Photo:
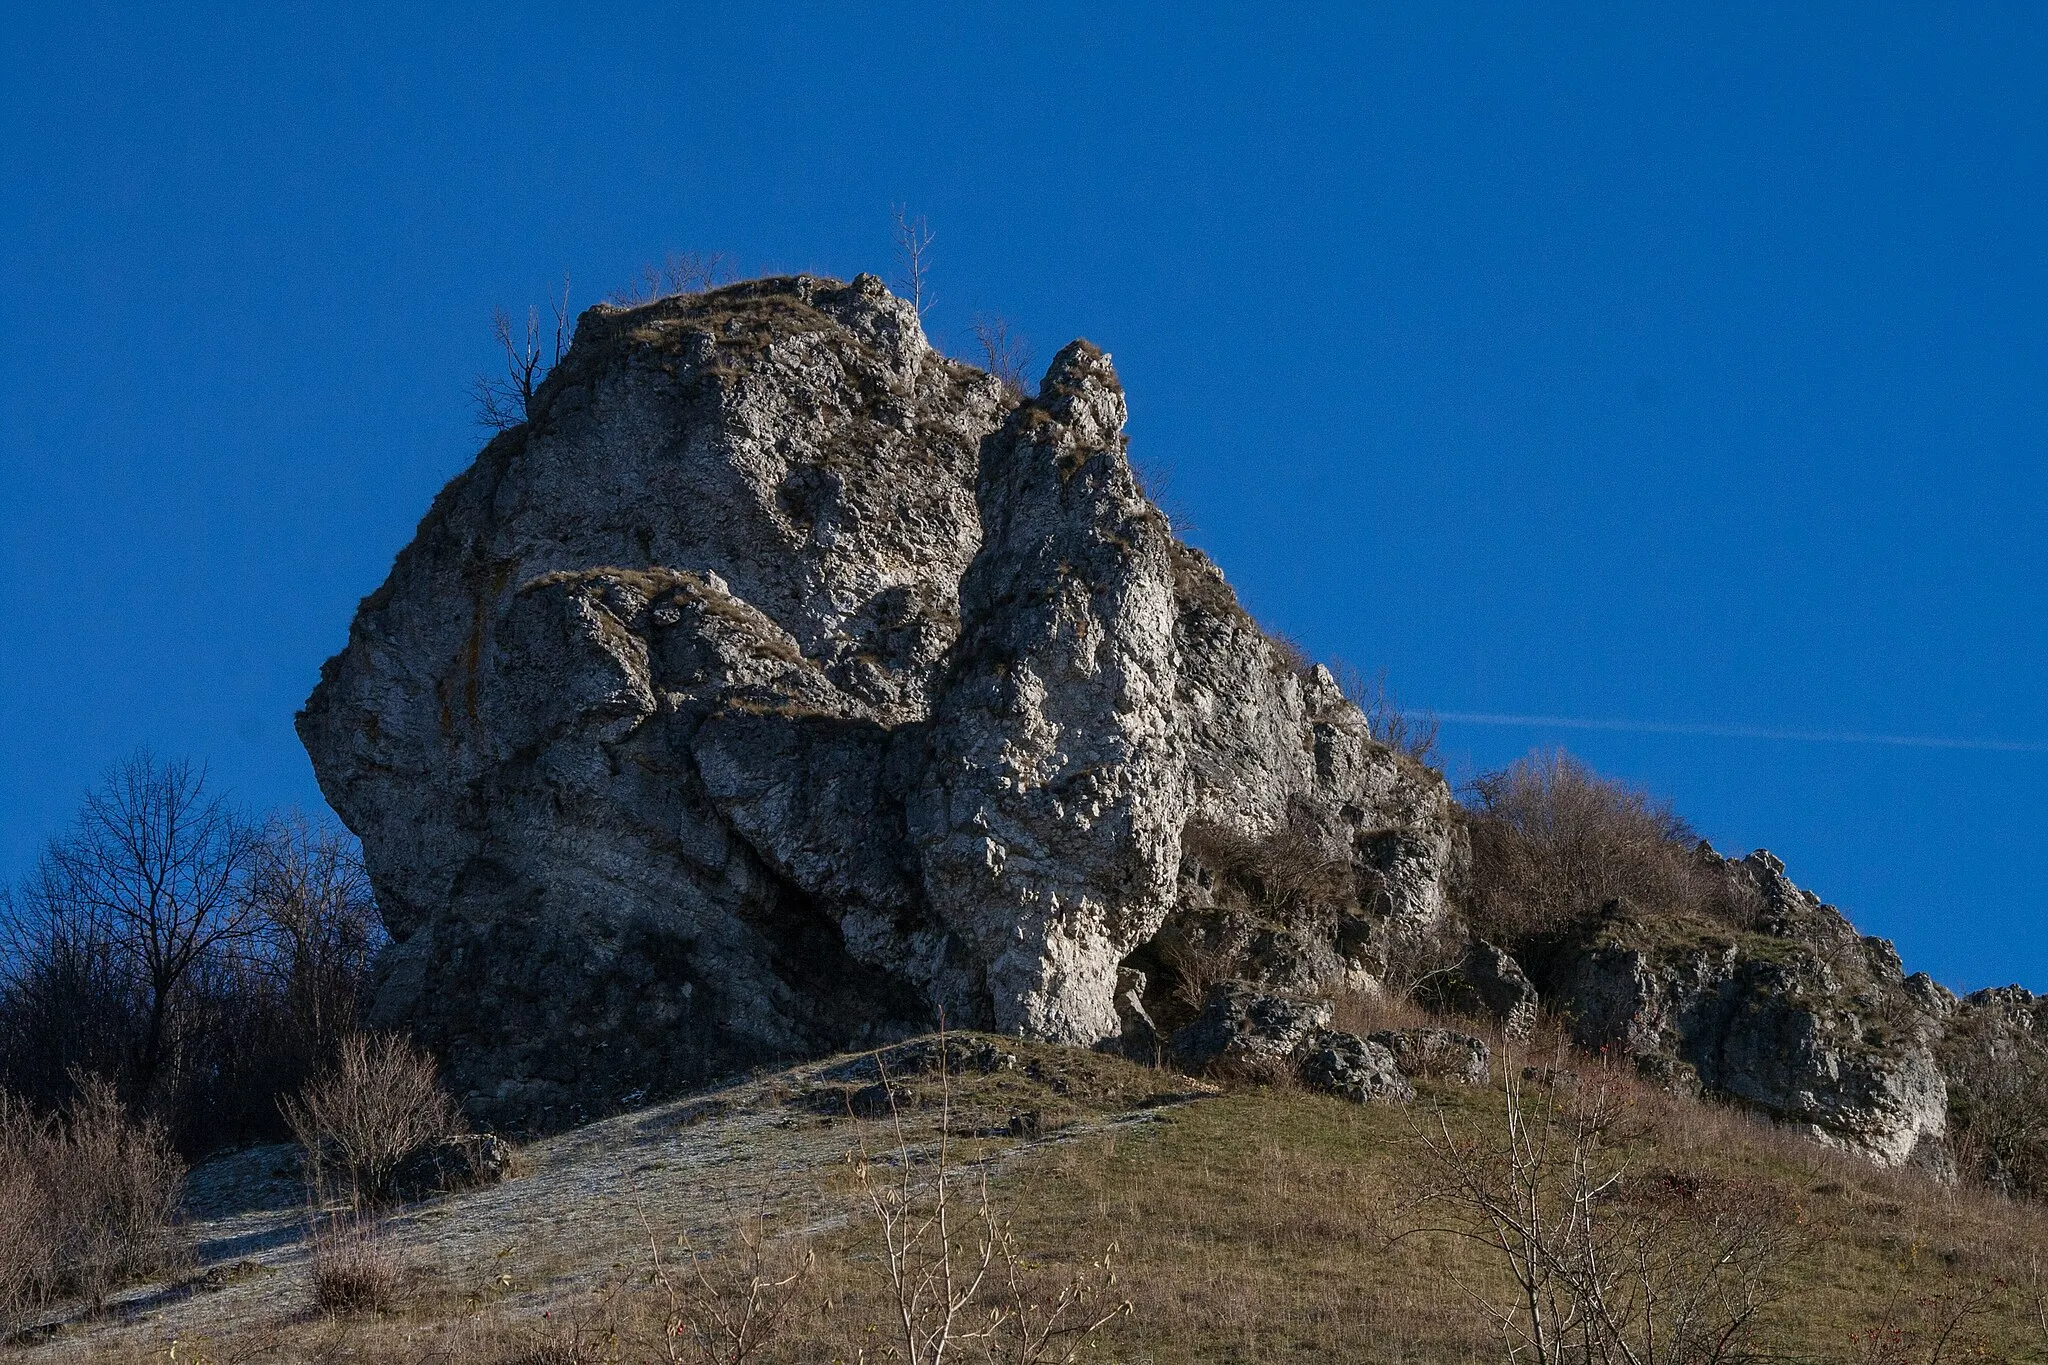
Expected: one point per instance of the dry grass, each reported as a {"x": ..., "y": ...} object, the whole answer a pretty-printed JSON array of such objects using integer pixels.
[{"x": 354, "y": 1268}]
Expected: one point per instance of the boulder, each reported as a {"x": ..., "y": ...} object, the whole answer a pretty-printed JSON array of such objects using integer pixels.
[
  {"x": 465, "y": 1162},
  {"x": 782, "y": 686},
  {"x": 1354, "y": 1068},
  {"x": 1246, "y": 1033},
  {"x": 1438, "y": 1054}
]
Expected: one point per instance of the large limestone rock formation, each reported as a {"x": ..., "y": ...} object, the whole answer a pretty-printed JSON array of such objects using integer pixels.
[{"x": 781, "y": 683}]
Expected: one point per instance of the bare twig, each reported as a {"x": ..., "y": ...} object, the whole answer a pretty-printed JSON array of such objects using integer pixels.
[
  {"x": 1607, "y": 1263},
  {"x": 914, "y": 239},
  {"x": 729, "y": 1318},
  {"x": 955, "y": 1276},
  {"x": 1005, "y": 353},
  {"x": 685, "y": 272}
]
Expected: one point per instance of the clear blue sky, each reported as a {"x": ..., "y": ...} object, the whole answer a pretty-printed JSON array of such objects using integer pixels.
[{"x": 1671, "y": 364}]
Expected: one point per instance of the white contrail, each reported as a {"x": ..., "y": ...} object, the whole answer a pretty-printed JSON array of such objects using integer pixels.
[{"x": 1652, "y": 727}]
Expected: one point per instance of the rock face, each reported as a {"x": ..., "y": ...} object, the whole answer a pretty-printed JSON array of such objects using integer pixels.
[
  {"x": 1488, "y": 983},
  {"x": 781, "y": 683},
  {"x": 1799, "y": 1017}
]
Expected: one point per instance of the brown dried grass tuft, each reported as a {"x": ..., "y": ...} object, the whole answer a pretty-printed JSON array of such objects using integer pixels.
[{"x": 355, "y": 1268}]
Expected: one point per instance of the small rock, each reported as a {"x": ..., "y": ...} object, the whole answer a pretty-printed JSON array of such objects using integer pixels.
[{"x": 879, "y": 1101}]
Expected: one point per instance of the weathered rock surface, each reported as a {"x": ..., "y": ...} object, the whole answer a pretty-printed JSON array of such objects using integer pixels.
[
  {"x": 781, "y": 684},
  {"x": 1799, "y": 1017},
  {"x": 1489, "y": 983}
]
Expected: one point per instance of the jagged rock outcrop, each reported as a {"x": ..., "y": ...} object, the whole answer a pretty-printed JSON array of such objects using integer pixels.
[
  {"x": 781, "y": 683},
  {"x": 1797, "y": 1015}
]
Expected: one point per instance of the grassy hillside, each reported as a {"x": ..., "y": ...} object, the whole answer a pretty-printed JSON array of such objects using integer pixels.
[{"x": 1252, "y": 1224}]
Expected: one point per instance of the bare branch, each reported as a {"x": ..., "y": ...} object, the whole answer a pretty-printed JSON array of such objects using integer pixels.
[
  {"x": 1005, "y": 353},
  {"x": 914, "y": 239}
]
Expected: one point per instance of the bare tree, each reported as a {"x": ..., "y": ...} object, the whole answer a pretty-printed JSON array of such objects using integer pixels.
[
  {"x": 1412, "y": 733},
  {"x": 914, "y": 238},
  {"x": 309, "y": 888},
  {"x": 150, "y": 878},
  {"x": 685, "y": 272},
  {"x": 1005, "y": 353},
  {"x": 502, "y": 401}
]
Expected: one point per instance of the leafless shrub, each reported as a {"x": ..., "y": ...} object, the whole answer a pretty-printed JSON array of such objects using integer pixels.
[
  {"x": 1286, "y": 874},
  {"x": 1553, "y": 842},
  {"x": 1195, "y": 965},
  {"x": 914, "y": 238},
  {"x": 88, "y": 1202},
  {"x": 954, "y": 1276},
  {"x": 1288, "y": 655},
  {"x": 115, "y": 1185},
  {"x": 28, "y": 1263},
  {"x": 1998, "y": 1102},
  {"x": 380, "y": 1102},
  {"x": 1928, "y": 1328},
  {"x": 685, "y": 272},
  {"x": 1156, "y": 481},
  {"x": 1606, "y": 1262},
  {"x": 724, "y": 1310},
  {"x": 502, "y": 400},
  {"x": 1408, "y": 732},
  {"x": 355, "y": 1267},
  {"x": 1005, "y": 354}
]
